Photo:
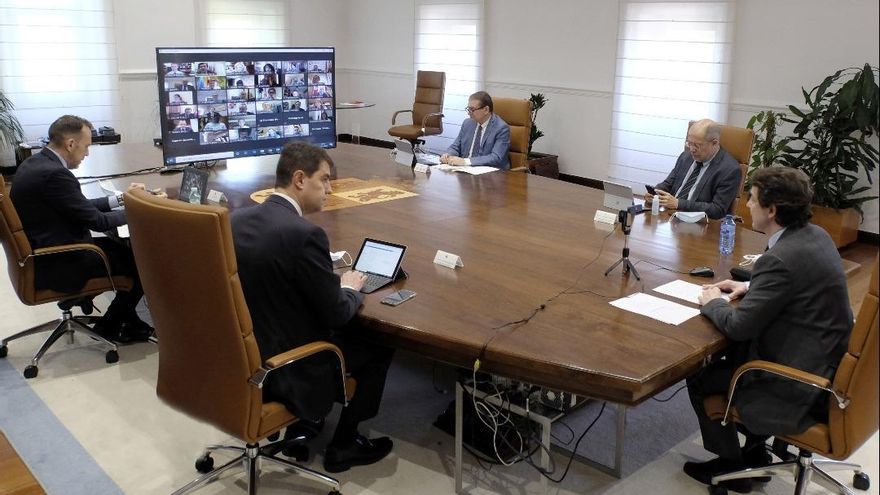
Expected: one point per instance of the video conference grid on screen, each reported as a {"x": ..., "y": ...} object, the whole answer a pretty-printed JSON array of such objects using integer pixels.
[{"x": 237, "y": 102}]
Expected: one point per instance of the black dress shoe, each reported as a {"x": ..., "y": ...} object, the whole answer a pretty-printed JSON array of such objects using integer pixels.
[
  {"x": 297, "y": 437},
  {"x": 109, "y": 329},
  {"x": 704, "y": 471},
  {"x": 134, "y": 330},
  {"x": 361, "y": 451}
]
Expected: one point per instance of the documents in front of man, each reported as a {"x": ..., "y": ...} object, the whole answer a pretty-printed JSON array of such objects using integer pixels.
[{"x": 656, "y": 308}]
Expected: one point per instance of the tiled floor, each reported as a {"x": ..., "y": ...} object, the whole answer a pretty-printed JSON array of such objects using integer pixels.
[{"x": 148, "y": 448}]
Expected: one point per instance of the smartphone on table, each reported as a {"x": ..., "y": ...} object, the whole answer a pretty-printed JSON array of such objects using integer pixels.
[{"x": 398, "y": 297}]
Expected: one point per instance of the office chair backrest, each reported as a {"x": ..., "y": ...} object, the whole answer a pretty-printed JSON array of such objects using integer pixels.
[
  {"x": 518, "y": 115},
  {"x": 207, "y": 350},
  {"x": 16, "y": 245},
  {"x": 858, "y": 379},
  {"x": 430, "y": 87}
]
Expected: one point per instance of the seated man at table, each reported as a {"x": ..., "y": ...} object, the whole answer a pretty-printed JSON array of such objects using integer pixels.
[
  {"x": 705, "y": 177},
  {"x": 484, "y": 138},
  {"x": 795, "y": 311},
  {"x": 295, "y": 299},
  {"x": 54, "y": 211}
]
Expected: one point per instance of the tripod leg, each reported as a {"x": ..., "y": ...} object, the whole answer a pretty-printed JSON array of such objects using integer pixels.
[
  {"x": 632, "y": 267},
  {"x": 614, "y": 266}
]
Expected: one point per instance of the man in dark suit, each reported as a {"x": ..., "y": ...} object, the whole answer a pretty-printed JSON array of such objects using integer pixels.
[
  {"x": 705, "y": 177},
  {"x": 295, "y": 298},
  {"x": 795, "y": 311},
  {"x": 484, "y": 138},
  {"x": 54, "y": 211}
]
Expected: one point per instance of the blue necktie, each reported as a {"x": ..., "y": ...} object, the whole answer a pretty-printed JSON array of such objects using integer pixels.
[
  {"x": 475, "y": 149},
  {"x": 691, "y": 180}
]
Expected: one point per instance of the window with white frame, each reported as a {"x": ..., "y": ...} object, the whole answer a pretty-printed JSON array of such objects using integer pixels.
[
  {"x": 58, "y": 57},
  {"x": 673, "y": 66},
  {"x": 449, "y": 39},
  {"x": 256, "y": 23}
]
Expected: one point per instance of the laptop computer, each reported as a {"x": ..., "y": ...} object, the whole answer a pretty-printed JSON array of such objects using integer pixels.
[
  {"x": 405, "y": 153},
  {"x": 617, "y": 196},
  {"x": 380, "y": 262}
]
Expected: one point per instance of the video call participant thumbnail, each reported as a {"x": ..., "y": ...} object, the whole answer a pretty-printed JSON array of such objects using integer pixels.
[{"x": 239, "y": 68}]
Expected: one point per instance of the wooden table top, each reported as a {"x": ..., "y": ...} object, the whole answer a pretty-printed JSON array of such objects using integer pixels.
[{"x": 524, "y": 240}]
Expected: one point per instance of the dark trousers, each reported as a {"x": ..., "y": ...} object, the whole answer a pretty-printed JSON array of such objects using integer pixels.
[
  {"x": 69, "y": 272},
  {"x": 368, "y": 363},
  {"x": 717, "y": 438}
]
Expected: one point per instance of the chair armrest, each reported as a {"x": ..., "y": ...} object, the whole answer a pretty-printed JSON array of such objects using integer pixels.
[
  {"x": 294, "y": 355},
  {"x": 428, "y": 116},
  {"x": 783, "y": 371},
  {"x": 394, "y": 117},
  {"x": 69, "y": 248},
  {"x": 520, "y": 169}
]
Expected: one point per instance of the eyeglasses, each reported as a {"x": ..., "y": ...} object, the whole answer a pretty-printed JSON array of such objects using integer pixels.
[
  {"x": 472, "y": 109},
  {"x": 696, "y": 146}
]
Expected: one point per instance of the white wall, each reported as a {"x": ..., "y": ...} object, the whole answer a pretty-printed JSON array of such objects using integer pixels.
[{"x": 565, "y": 49}]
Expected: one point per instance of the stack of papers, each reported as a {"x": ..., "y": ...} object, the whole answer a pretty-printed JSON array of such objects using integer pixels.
[
  {"x": 684, "y": 290},
  {"x": 468, "y": 170},
  {"x": 656, "y": 308}
]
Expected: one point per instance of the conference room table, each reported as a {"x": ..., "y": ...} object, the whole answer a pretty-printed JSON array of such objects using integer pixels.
[{"x": 531, "y": 300}]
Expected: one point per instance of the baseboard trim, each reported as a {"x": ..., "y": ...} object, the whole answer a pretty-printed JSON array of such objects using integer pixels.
[{"x": 378, "y": 143}]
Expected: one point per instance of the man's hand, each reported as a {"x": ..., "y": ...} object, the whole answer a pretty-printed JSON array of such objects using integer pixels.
[
  {"x": 353, "y": 279},
  {"x": 455, "y": 160},
  {"x": 137, "y": 185},
  {"x": 667, "y": 200},
  {"x": 444, "y": 158},
  {"x": 733, "y": 288},
  {"x": 649, "y": 198},
  {"x": 709, "y": 293}
]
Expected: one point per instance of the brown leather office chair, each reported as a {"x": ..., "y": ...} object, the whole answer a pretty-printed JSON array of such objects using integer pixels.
[
  {"x": 427, "y": 110},
  {"x": 518, "y": 115},
  {"x": 20, "y": 259},
  {"x": 852, "y": 409},
  {"x": 209, "y": 361}
]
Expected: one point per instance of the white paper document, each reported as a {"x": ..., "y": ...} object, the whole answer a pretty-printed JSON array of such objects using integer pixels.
[
  {"x": 656, "y": 308},
  {"x": 468, "y": 170},
  {"x": 684, "y": 290}
]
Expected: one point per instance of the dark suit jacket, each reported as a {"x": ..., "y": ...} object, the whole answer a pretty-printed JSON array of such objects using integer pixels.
[
  {"x": 53, "y": 211},
  {"x": 796, "y": 313},
  {"x": 715, "y": 192},
  {"x": 294, "y": 298},
  {"x": 495, "y": 146}
]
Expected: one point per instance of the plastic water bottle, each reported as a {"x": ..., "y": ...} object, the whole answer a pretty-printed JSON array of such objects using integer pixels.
[
  {"x": 728, "y": 233},
  {"x": 655, "y": 205},
  {"x": 194, "y": 197}
]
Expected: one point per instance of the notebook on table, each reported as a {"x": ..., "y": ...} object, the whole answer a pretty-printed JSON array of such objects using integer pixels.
[{"x": 380, "y": 262}]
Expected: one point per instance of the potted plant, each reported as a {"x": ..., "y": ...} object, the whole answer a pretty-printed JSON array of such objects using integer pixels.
[
  {"x": 830, "y": 144},
  {"x": 540, "y": 163},
  {"x": 11, "y": 133},
  {"x": 766, "y": 149}
]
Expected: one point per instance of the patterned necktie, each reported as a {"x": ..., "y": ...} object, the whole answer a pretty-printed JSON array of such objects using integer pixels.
[
  {"x": 691, "y": 180},
  {"x": 475, "y": 149}
]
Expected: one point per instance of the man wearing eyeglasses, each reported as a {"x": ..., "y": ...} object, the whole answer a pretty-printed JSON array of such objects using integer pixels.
[
  {"x": 705, "y": 178},
  {"x": 484, "y": 138}
]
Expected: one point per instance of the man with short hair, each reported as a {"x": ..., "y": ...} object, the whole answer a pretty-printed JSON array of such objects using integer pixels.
[
  {"x": 484, "y": 138},
  {"x": 294, "y": 299},
  {"x": 54, "y": 211},
  {"x": 794, "y": 311},
  {"x": 705, "y": 177}
]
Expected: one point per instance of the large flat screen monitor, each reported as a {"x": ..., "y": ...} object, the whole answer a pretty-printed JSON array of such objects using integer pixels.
[{"x": 219, "y": 103}]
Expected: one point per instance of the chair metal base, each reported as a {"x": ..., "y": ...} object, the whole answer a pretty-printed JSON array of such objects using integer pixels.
[
  {"x": 804, "y": 469},
  {"x": 67, "y": 324},
  {"x": 248, "y": 460}
]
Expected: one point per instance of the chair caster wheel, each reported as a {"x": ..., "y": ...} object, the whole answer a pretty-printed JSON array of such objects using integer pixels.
[
  {"x": 31, "y": 371},
  {"x": 335, "y": 492},
  {"x": 111, "y": 357},
  {"x": 717, "y": 490},
  {"x": 861, "y": 481},
  {"x": 205, "y": 464},
  {"x": 3, "y": 351}
]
